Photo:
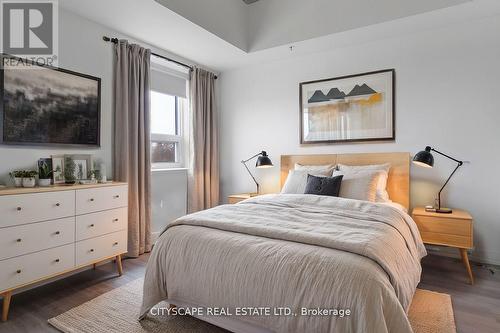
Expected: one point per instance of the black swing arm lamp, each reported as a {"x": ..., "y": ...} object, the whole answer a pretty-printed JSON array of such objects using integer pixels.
[
  {"x": 425, "y": 159},
  {"x": 263, "y": 161}
]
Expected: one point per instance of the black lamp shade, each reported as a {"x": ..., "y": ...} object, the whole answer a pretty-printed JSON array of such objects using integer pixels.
[
  {"x": 424, "y": 158},
  {"x": 263, "y": 161}
]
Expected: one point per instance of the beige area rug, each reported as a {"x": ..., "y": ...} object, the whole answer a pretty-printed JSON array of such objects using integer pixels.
[{"x": 116, "y": 311}]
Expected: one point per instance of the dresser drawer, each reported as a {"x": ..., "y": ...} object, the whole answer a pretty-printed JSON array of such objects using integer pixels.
[
  {"x": 101, "y": 247},
  {"x": 32, "y": 267},
  {"x": 23, "y": 239},
  {"x": 36, "y": 207},
  {"x": 101, "y": 223},
  {"x": 98, "y": 199}
]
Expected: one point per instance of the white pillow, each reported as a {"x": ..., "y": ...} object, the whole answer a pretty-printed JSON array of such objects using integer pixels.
[
  {"x": 361, "y": 185},
  {"x": 382, "y": 194},
  {"x": 297, "y": 180},
  {"x": 327, "y": 169}
]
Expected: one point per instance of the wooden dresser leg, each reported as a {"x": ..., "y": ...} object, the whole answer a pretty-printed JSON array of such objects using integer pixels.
[
  {"x": 94, "y": 266},
  {"x": 465, "y": 259},
  {"x": 6, "y": 303},
  {"x": 119, "y": 264}
]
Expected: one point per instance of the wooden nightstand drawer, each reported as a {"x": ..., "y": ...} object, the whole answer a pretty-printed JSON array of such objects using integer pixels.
[
  {"x": 446, "y": 239},
  {"x": 235, "y": 198},
  {"x": 444, "y": 225}
]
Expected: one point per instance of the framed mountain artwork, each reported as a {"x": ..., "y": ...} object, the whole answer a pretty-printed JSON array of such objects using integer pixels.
[{"x": 352, "y": 108}]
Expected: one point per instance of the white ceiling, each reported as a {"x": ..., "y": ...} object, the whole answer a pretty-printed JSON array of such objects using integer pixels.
[
  {"x": 166, "y": 29},
  {"x": 271, "y": 23}
]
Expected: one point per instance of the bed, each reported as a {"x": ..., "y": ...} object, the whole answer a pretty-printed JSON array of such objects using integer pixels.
[{"x": 295, "y": 263}]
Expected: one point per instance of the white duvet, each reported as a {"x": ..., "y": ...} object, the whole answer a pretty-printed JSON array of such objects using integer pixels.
[{"x": 293, "y": 251}]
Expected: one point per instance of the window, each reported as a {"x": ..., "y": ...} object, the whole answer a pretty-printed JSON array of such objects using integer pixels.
[{"x": 167, "y": 146}]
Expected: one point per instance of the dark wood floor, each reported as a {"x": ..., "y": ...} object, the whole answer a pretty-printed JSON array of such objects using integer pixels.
[{"x": 477, "y": 308}]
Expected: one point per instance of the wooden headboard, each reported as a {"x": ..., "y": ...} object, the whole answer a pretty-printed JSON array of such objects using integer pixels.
[{"x": 398, "y": 183}]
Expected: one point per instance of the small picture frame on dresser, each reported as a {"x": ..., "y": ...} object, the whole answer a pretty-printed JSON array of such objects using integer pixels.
[
  {"x": 58, "y": 169},
  {"x": 83, "y": 166}
]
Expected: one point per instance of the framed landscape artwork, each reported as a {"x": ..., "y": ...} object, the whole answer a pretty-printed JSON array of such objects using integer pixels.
[
  {"x": 46, "y": 106},
  {"x": 352, "y": 108}
]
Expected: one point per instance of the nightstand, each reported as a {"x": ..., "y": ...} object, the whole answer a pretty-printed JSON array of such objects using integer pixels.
[
  {"x": 453, "y": 230},
  {"x": 235, "y": 198}
]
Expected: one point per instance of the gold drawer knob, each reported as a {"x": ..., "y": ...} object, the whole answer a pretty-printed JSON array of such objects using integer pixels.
[
  {"x": 18, "y": 271},
  {"x": 115, "y": 243},
  {"x": 115, "y": 220},
  {"x": 116, "y": 196}
]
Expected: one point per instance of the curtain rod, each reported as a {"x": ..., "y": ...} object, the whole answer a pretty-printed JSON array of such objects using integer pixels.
[{"x": 115, "y": 41}]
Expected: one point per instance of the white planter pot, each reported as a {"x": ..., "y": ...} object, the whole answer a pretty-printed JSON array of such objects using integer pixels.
[
  {"x": 18, "y": 182},
  {"x": 29, "y": 182},
  {"x": 44, "y": 182}
]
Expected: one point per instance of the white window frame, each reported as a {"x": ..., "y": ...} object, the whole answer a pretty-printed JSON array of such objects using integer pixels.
[{"x": 178, "y": 139}]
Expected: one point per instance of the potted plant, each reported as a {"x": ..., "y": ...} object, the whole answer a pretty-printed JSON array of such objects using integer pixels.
[
  {"x": 69, "y": 171},
  {"x": 44, "y": 174},
  {"x": 17, "y": 175},
  {"x": 29, "y": 178},
  {"x": 92, "y": 175}
]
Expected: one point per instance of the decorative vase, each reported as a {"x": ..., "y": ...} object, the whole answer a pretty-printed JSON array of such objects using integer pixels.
[
  {"x": 102, "y": 173},
  {"x": 44, "y": 182},
  {"x": 18, "y": 181},
  {"x": 29, "y": 182}
]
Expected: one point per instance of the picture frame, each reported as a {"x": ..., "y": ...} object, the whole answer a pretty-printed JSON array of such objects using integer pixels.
[
  {"x": 29, "y": 94},
  {"x": 345, "y": 109},
  {"x": 40, "y": 164},
  {"x": 58, "y": 169},
  {"x": 83, "y": 165}
]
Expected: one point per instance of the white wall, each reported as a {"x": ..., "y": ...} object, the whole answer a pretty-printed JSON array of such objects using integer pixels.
[
  {"x": 169, "y": 194},
  {"x": 447, "y": 91},
  {"x": 81, "y": 49}
]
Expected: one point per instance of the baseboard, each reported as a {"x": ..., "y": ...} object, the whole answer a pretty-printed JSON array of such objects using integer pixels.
[{"x": 480, "y": 257}]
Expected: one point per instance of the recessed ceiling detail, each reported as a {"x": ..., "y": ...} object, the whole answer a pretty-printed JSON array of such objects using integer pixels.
[
  {"x": 222, "y": 35},
  {"x": 271, "y": 23}
]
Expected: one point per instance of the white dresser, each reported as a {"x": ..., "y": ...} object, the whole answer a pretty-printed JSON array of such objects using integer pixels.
[{"x": 46, "y": 232}]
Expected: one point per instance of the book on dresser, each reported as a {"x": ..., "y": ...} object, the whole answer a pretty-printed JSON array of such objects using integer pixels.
[{"x": 47, "y": 232}]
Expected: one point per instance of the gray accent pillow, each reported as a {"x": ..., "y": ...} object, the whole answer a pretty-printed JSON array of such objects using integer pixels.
[{"x": 329, "y": 186}]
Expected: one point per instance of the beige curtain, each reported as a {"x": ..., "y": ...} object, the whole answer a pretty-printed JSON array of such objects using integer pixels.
[
  {"x": 131, "y": 161},
  {"x": 204, "y": 150}
]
